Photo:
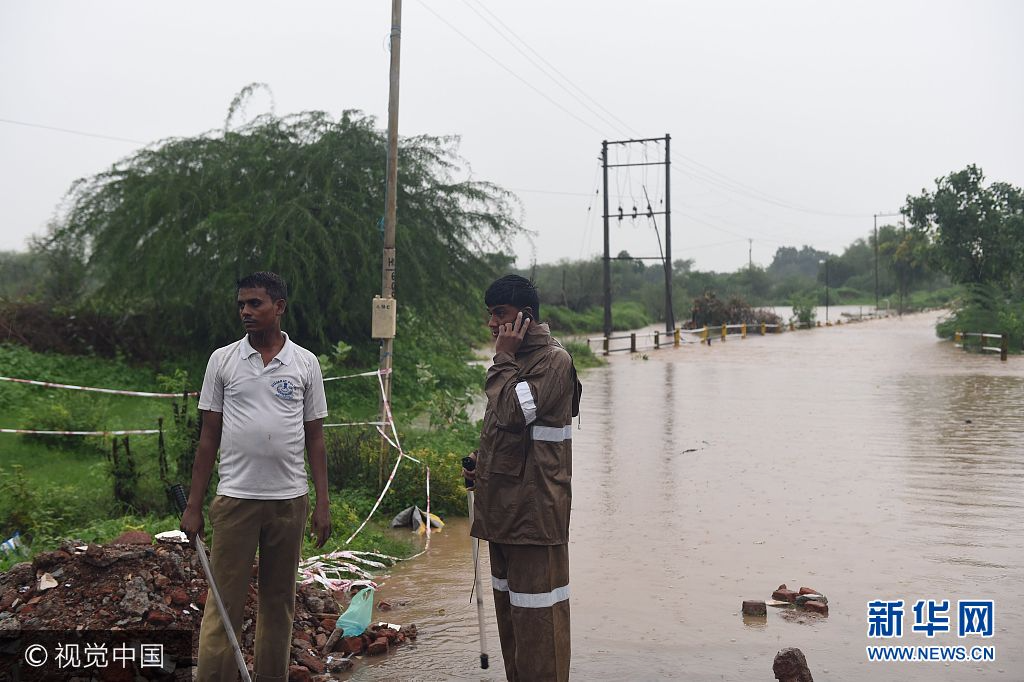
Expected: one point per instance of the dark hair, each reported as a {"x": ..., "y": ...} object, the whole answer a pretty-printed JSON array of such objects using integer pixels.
[
  {"x": 514, "y": 290},
  {"x": 275, "y": 286}
]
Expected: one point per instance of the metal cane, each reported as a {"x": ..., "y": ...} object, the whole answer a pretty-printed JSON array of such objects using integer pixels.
[
  {"x": 469, "y": 464},
  {"x": 180, "y": 501}
]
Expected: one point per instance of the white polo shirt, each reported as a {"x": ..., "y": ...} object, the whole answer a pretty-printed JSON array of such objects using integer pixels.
[{"x": 263, "y": 442}]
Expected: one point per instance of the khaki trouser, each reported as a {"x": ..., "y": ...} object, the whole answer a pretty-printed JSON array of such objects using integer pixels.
[
  {"x": 531, "y": 602},
  {"x": 239, "y": 527}
]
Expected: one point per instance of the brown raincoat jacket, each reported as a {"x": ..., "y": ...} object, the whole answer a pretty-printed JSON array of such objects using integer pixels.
[{"x": 524, "y": 464}]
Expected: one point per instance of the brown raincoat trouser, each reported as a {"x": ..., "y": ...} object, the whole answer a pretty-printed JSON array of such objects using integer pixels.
[{"x": 531, "y": 602}]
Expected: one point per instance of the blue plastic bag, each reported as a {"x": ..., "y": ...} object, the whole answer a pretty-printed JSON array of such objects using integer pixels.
[{"x": 357, "y": 616}]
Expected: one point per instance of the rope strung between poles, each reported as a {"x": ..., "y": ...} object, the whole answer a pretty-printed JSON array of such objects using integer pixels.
[
  {"x": 113, "y": 391},
  {"x": 150, "y": 394},
  {"x": 127, "y": 432},
  {"x": 395, "y": 443},
  {"x": 392, "y": 439},
  {"x": 375, "y": 372}
]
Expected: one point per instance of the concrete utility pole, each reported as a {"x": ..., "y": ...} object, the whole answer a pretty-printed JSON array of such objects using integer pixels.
[
  {"x": 670, "y": 317},
  {"x": 385, "y": 314},
  {"x": 666, "y": 257},
  {"x": 877, "y": 216},
  {"x": 607, "y": 248}
]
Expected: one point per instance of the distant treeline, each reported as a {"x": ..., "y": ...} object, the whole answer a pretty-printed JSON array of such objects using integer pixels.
[
  {"x": 960, "y": 247},
  {"x": 794, "y": 276}
]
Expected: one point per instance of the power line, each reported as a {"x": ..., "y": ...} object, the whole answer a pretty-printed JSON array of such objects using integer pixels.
[
  {"x": 531, "y": 59},
  {"x": 510, "y": 71},
  {"x": 69, "y": 131},
  {"x": 548, "y": 191},
  {"x": 552, "y": 66},
  {"x": 714, "y": 177}
]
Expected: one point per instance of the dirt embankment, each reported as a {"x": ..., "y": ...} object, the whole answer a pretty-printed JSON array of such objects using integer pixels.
[{"x": 161, "y": 587}]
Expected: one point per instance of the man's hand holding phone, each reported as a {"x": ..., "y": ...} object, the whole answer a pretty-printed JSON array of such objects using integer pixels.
[{"x": 511, "y": 334}]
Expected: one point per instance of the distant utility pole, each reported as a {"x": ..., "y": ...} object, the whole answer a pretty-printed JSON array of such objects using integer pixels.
[
  {"x": 877, "y": 216},
  {"x": 666, "y": 257},
  {"x": 750, "y": 255}
]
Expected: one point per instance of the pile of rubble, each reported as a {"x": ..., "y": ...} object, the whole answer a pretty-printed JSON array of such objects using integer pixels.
[
  {"x": 807, "y": 599},
  {"x": 132, "y": 584}
]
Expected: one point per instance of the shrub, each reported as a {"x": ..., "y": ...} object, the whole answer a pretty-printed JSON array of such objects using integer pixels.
[
  {"x": 710, "y": 310},
  {"x": 803, "y": 311},
  {"x": 68, "y": 412},
  {"x": 582, "y": 355}
]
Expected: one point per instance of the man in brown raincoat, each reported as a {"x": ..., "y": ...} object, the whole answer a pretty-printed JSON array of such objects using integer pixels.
[{"x": 522, "y": 482}]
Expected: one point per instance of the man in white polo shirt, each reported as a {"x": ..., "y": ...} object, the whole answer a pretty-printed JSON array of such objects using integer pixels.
[{"x": 263, "y": 407}]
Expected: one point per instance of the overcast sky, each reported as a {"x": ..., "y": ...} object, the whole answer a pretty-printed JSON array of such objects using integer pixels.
[{"x": 791, "y": 122}]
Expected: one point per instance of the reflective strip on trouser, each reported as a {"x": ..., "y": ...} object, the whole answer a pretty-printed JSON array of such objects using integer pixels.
[
  {"x": 526, "y": 402},
  {"x": 526, "y": 600},
  {"x": 551, "y": 434},
  {"x": 531, "y": 590}
]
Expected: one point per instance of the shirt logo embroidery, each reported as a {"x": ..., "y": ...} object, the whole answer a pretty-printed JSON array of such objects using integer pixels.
[{"x": 284, "y": 389}]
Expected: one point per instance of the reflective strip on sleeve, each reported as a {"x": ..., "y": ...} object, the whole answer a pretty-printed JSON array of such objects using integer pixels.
[
  {"x": 526, "y": 402},
  {"x": 552, "y": 434},
  {"x": 528, "y": 600}
]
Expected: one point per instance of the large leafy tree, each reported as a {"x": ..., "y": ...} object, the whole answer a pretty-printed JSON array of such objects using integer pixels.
[
  {"x": 168, "y": 230},
  {"x": 976, "y": 231}
]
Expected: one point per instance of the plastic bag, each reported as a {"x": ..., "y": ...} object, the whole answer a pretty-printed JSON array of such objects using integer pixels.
[{"x": 357, "y": 616}]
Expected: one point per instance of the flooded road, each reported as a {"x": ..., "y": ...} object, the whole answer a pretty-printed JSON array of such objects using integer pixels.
[{"x": 870, "y": 461}]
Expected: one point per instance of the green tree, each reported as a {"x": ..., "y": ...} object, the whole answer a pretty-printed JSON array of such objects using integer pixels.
[
  {"x": 790, "y": 261},
  {"x": 169, "y": 229},
  {"x": 976, "y": 231}
]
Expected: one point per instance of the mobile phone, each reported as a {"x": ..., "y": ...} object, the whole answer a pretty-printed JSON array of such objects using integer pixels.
[{"x": 527, "y": 314}]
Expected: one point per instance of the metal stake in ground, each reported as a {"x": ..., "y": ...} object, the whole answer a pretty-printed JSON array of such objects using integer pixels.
[
  {"x": 180, "y": 501},
  {"x": 469, "y": 464}
]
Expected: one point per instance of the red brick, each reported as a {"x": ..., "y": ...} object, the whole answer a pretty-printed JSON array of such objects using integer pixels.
[
  {"x": 816, "y": 607},
  {"x": 296, "y": 673},
  {"x": 808, "y": 590},
  {"x": 159, "y": 618},
  {"x": 329, "y": 623},
  {"x": 754, "y": 608},
  {"x": 351, "y": 645},
  {"x": 179, "y": 597},
  {"x": 784, "y": 595},
  {"x": 133, "y": 537},
  {"x": 379, "y": 646},
  {"x": 308, "y": 660}
]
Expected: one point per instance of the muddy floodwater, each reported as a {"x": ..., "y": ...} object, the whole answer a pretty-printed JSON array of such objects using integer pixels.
[{"x": 870, "y": 461}]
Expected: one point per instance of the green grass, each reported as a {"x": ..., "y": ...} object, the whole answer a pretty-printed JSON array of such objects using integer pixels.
[
  {"x": 53, "y": 488},
  {"x": 626, "y": 315}
]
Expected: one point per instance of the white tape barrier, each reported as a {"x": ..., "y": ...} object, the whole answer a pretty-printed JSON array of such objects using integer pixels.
[
  {"x": 329, "y": 569},
  {"x": 150, "y": 394},
  {"x": 112, "y": 391},
  {"x": 376, "y": 372},
  {"x": 146, "y": 394},
  {"x": 126, "y": 432},
  {"x": 395, "y": 443},
  {"x": 393, "y": 439},
  {"x": 328, "y": 426}
]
